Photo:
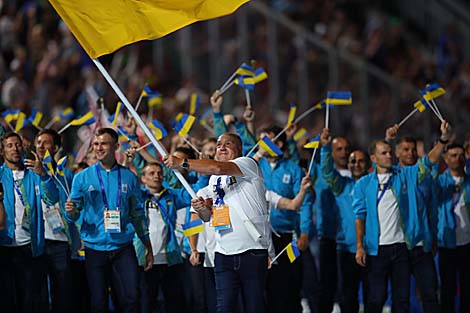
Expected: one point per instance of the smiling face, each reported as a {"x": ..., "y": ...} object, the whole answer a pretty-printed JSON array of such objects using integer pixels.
[
  {"x": 12, "y": 151},
  {"x": 358, "y": 164},
  {"x": 228, "y": 148},
  {"x": 105, "y": 148},
  {"x": 45, "y": 142}
]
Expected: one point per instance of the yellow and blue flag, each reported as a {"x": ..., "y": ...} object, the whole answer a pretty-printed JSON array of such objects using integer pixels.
[
  {"x": 245, "y": 70},
  {"x": 47, "y": 163},
  {"x": 203, "y": 118},
  {"x": 21, "y": 122},
  {"x": 86, "y": 119},
  {"x": 292, "y": 251},
  {"x": 193, "y": 228},
  {"x": 102, "y": 27},
  {"x": 154, "y": 98},
  {"x": 10, "y": 115},
  {"x": 432, "y": 91},
  {"x": 245, "y": 82},
  {"x": 61, "y": 166},
  {"x": 66, "y": 114},
  {"x": 320, "y": 105},
  {"x": 313, "y": 143},
  {"x": 35, "y": 118},
  {"x": 113, "y": 119},
  {"x": 339, "y": 98},
  {"x": 270, "y": 147},
  {"x": 421, "y": 105},
  {"x": 291, "y": 116},
  {"x": 300, "y": 134},
  {"x": 194, "y": 103},
  {"x": 260, "y": 75},
  {"x": 160, "y": 131},
  {"x": 183, "y": 123}
]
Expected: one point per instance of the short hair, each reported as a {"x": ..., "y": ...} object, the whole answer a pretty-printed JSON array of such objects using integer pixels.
[
  {"x": 188, "y": 151},
  {"x": 55, "y": 136},
  {"x": 207, "y": 140},
  {"x": 373, "y": 145},
  {"x": 9, "y": 135},
  {"x": 366, "y": 155},
  {"x": 109, "y": 131},
  {"x": 151, "y": 164},
  {"x": 455, "y": 145},
  {"x": 235, "y": 137},
  {"x": 406, "y": 139}
]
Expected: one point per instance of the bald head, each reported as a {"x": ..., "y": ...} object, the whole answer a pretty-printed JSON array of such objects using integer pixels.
[{"x": 340, "y": 152}]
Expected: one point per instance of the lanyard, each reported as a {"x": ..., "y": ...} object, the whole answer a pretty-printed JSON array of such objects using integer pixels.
[
  {"x": 18, "y": 191},
  {"x": 103, "y": 193},
  {"x": 457, "y": 200},
  {"x": 383, "y": 190},
  {"x": 220, "y": 193}
]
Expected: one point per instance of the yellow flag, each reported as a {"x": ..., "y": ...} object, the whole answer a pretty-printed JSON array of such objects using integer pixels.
[{"x": 104, "y": 26}]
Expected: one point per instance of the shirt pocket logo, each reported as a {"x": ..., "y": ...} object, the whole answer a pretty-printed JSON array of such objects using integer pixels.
[{"x": 286, "y": 178}]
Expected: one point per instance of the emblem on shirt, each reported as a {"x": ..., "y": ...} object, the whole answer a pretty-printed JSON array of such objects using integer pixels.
[
  {"x": 124, "y": 188},
  {"x": 90, "y": 188},
  {"x": 231, "y": 180},
  {"x": 286, "y": 178},
  {"x": 36, "y": 189},
  {"x": 404, "y": 188}
]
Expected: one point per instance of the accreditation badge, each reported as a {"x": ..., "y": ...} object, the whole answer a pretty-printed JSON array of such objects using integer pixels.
[
  {"x": 53, "y": 219},
  {"x": 221, "y": 217},
  {"x": 112, "y": 221}
]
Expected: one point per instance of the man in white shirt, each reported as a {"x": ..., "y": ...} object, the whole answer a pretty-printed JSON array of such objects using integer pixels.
[{"x": 243, "y": 235}]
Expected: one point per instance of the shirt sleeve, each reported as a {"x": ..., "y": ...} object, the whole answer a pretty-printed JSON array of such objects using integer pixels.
[
  {"x": 272, "y": 198},
  {"x": 248, "y": 167}
]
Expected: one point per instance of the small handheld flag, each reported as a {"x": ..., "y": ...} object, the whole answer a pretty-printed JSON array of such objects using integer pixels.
[
  {"x": 21, "y": 122},
  {"x": 339, "y": 98},
  {"x": 260, "y": 75},
  {"x": 183, "y": 123},
  {"x": 313, "y": 143},
  {"x": 193, "y": 228},
  {"x": 245, "y": 82},
  {"x": 160, "y": 131},
  {"x": 292, "y": 251},
  {"x": 245, "y": 70},
  {"x": 300, "y": 134},
  {"x": 10, "y": 115},
  {"x": 61, "y": 166},
  {"x": 154, "y": 97},
  {"x": 35, "y": 118},
  {"x": 270, "y": 147},
  {"x": 47, "y": 163},
  {"x": 114, "y": 118},
  {"x": 194, "y": 103},
  {"x": 86, "y": 119},
  {"x": 291, "y": 117},
  {"x": 432, "y": 91}
]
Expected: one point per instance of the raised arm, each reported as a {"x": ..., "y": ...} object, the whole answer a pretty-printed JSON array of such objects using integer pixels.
[{"x": 207, "y": 167}]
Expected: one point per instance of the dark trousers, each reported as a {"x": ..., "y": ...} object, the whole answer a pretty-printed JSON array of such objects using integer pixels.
[
  {"x": 455, "y": 263},
  {"x": 169, "y": 279},
  {"x": 328, "y": 273},
  {"x": 119, "y": 267},
  {"x": 392, "y": 261},
  {"x": 352, "y": 275},
  {"x": 20, "y": 281},
  {"x": 243, "y": 273},
  {"x": 80, "y": 289},
  {"x": 284, "y": 279},
  {"x": 202, "y": 287},
  {"x": 57, "y": 262},
  {"x": 209, "y": 287},
  {"x": 424, "y": 272},
  {"x": 310, "y": 280}
]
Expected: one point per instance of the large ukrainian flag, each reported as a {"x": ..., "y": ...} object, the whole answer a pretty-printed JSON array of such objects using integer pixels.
[{"x": 104, "y": 26}]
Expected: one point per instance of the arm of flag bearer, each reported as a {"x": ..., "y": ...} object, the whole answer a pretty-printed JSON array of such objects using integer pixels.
[
  {"x": 83, "y": 17},
  {"x": 429, "y": 93},
  {"x": 336, "y": 98},
  {"x": 292, "y": 252}
]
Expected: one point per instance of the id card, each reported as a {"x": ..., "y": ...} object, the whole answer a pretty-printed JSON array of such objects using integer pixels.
[
  {"x": 53, "y": 219},
  {"x": 112, "y": 221},
  {"x": 221, "y": 217}
]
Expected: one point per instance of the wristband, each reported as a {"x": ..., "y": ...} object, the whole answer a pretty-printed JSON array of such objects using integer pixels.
[{"x": 444, "y": 142}]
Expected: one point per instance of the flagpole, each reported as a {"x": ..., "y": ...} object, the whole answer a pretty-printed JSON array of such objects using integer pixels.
[
  {"x": 311, "y": 161},
  {"x": 437, "y": 109},
  {"x": 227, "y": 87},
  {"x": 279, "y": 254},
  {"x": 434, "y": 110},
  {"x": 143, "y": 147},
  {"x": 138, "y": 102},
  {"x": 229, "y": 80},
  {"x": 327, "y": 115},
  {"x": 51, "y": 122},
  {"x": 191, "y": 145},
  {"x": 64, "y": 128},
  {"x": 248, "y": 100},
  {"x": 141, "y": 123},
  {"x": 210, "y": 130},
  {"x": 407, "y": 117}
]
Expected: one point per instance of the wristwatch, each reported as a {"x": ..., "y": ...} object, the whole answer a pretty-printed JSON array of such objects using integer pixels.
[{"x": 185, "y": 165}]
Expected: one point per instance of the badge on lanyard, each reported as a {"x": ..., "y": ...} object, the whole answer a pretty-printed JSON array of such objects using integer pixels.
[
  {"x": 221, "y": 211},
  {"x": 54, "y": 219},
  {"x": 112, "y": 218},
  {"x": 112, "y": 221}
]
